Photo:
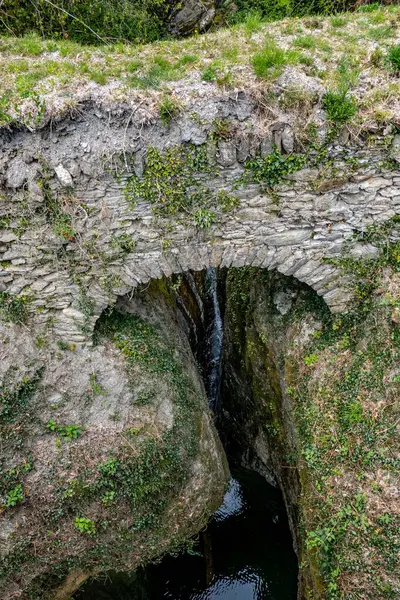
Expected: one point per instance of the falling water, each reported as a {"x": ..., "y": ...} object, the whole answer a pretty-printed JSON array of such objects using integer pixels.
[{"x": 215, "y": 334}]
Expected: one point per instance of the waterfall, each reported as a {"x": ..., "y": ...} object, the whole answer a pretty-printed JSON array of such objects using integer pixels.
[
  {"x": 215, "y": 333},
  {"x": 198, "y": 305}
]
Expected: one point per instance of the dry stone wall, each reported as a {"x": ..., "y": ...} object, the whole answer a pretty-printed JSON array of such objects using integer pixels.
[{"x": 84, "y": 161}]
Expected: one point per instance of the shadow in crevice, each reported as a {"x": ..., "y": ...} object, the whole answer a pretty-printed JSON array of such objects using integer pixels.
[{"x": 246, "y": 551}]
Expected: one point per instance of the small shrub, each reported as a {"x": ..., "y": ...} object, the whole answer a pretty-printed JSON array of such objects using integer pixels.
[
  {"x": 269, "y": 61},
  {"x": 339, "y": 106},
  {"x": 393, "y": 58},
  {"x": 84, "y": 525}
]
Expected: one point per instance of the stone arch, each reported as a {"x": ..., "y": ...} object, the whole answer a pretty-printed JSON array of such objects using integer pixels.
[
  {"x": 325, "y": 279},
  {"x": 308, "y": 218}
]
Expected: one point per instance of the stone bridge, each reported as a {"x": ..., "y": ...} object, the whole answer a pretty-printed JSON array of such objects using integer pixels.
[{"x": 71, "y": 240}]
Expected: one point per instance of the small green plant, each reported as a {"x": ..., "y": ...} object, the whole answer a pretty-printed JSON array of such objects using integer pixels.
[
  {"x": 109, "y": 467},
  {"x": 222, "y": 129},
  {"x": 204, "y": 218},
  {"x": 310, "y": 359},
  {"x": 269, "y": 61},
  {"x": 98, "y": 77},
  {"x": 84, "y": 525},
  {"x": 14, "y": 308},
  {"x": 273, "y": 168},
  {"x": 305, "y": 41},
  {"x": 393, "y": 58},
  {"x": 69, "y": 432},
  {"x": 338, "y": 21},
  {"x": 95, "y": 386},
  {"x": 253, "y": 22},
  {"x": 210, "y": 73},
  {"x": 227, "y": 202},
  {"x": 169, "y": 108},
  {"x": 339, "y": 106},
  {"x": 63, "y": 228},
  {"x": 377, "y": 57},
  {"x": 14, "y": 496},
  {"x": 108, "y": 497}
]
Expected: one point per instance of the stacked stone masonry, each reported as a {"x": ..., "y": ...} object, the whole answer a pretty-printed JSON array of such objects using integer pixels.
[{"x": 294, "y": 230}]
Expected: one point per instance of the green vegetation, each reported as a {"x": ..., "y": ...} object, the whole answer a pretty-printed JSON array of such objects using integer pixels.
[
  {"x": 14, "y": 308},
  {"x": 224, "y": 57},
  {"x": 270, "y": 61},
  {"x": 88, "y": 22},
  {"x": 343, "y": 386},
  {"x": 209, "y": 73},
  {"x": 273, "y": 10},
  {"x": 69, "y": 432},
  {"x": 394, "y": 58},
  {"x": 14, "y": 496},
  {"x": 340, "y": 106},
  {"x": 169, "y": 108},
  {"x": 15, "y": 399},
  {"x": 84, "y": 525},
  {"x": 55, "y": 211},
  {"x": 273, "y": 168},
  {"x": 204, "y": 218},
  {"x": 124, "y": 242},
  {"x": 348, "y": 426},
  {"x": 170, "y": 185}
]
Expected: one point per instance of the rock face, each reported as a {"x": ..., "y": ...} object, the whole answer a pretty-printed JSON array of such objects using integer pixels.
[
  {"x": 309, "y": 403},
  {"x": 109, "y": 454},
  {"x": 195, "y": 15}
]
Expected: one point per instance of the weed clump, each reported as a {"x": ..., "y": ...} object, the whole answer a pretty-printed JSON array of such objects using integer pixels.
[
  {"x": 269, "y": 62},
  {"x": 393, "y": 58},
  {"x": 339, "y": 106},
  {"x": 14, "y": 308}
]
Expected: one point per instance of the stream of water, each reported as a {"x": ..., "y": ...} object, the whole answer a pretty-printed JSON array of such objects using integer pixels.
[{"x": 246, "y": 553}]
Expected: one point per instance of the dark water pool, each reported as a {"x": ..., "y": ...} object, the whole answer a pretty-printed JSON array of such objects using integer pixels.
[{"x": 245, "y": 554}]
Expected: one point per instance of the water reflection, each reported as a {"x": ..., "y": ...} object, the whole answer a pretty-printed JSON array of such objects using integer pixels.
[{"x": 245, "y": 554}]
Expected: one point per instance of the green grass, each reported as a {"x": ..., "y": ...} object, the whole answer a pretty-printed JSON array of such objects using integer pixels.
[
  {"x": 269, "y": 61},
  {"x": 253, "y": 22},
  {"x": 307, "y": 42},
  {"x": 393, "y": 58},
  {"x": 338, "y": 21},
  {"x": 340, "y": 107}
]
